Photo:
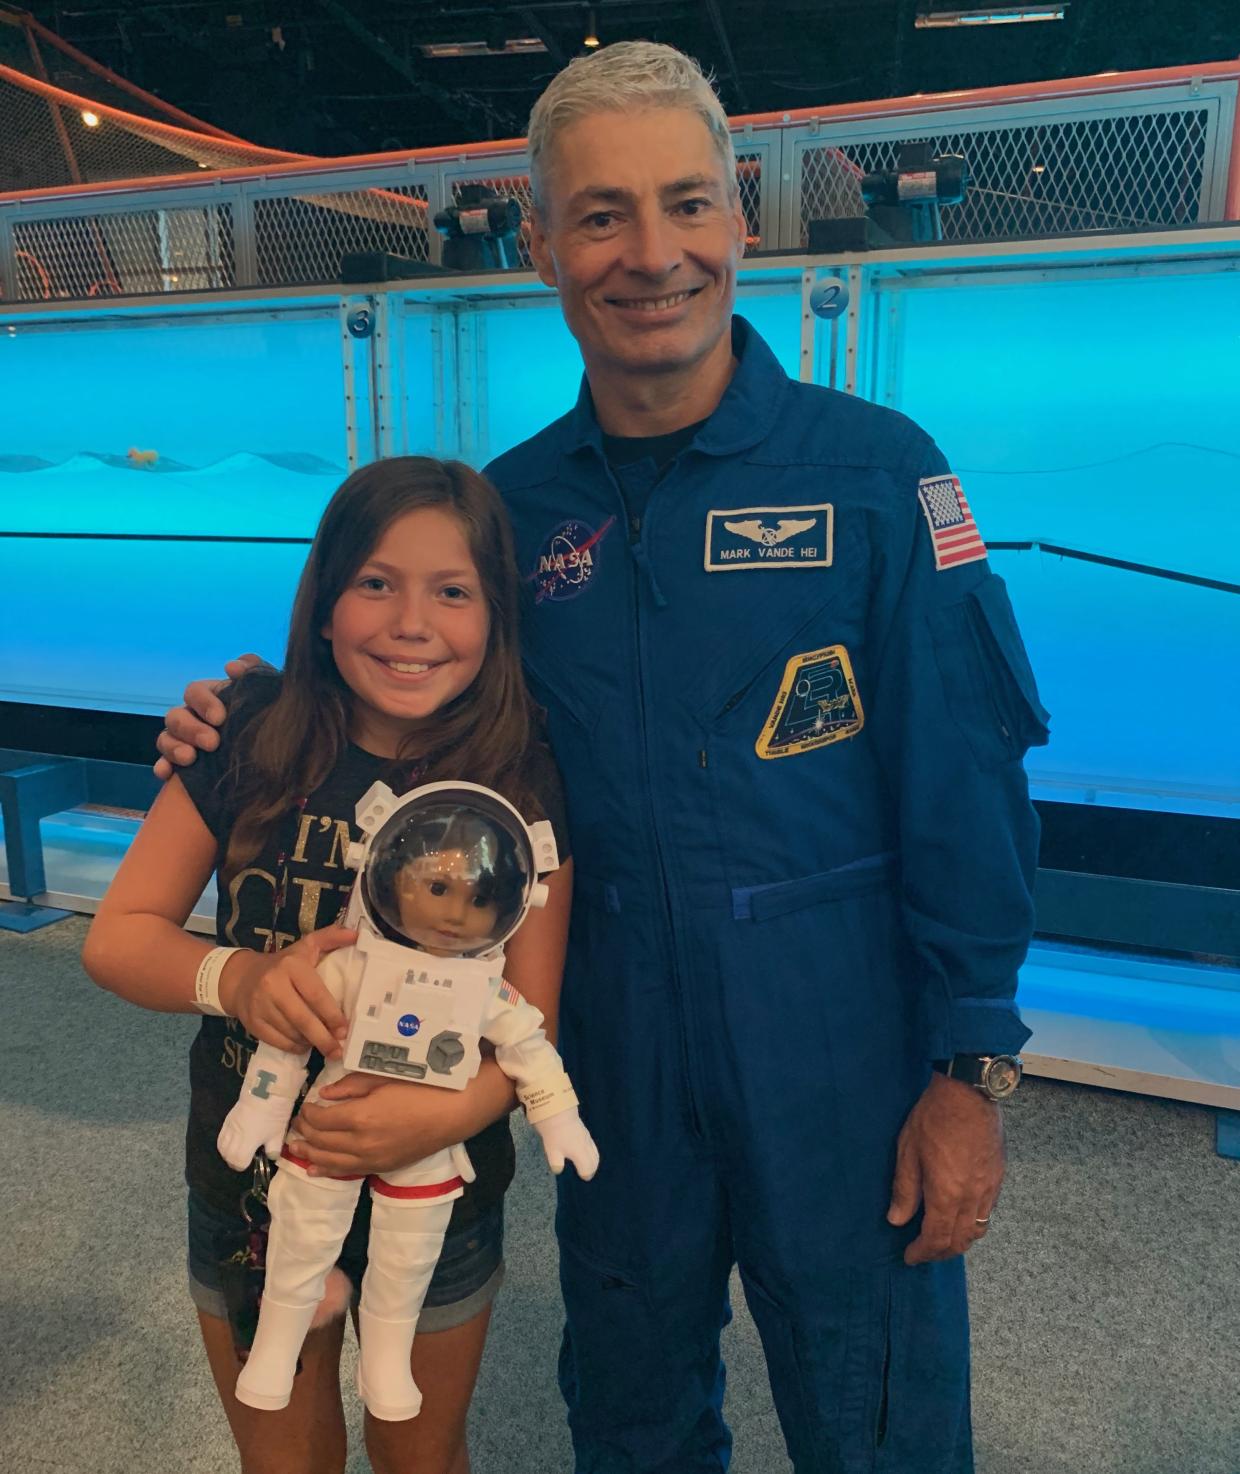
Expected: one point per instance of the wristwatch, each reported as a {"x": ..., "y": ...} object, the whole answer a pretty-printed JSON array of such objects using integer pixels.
[{"x": 996, "y": 1076}]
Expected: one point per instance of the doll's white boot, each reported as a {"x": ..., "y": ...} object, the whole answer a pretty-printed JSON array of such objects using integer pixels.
[
  {"x": 309, "y": 1220},
  {"x": 406, "y": 1237}
]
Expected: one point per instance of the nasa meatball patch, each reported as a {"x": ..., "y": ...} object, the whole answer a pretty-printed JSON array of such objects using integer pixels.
[
  {"x": 567, "y": 561},
  {"x": 769, "y": 537},
  {"x": 817, "y": 703}
]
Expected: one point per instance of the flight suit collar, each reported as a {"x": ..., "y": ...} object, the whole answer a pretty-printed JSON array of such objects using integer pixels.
[{"x": 741, "y": 420}]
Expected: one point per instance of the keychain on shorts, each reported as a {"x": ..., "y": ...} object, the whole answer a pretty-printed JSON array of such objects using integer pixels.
[{"x": 242, "y": 1275}]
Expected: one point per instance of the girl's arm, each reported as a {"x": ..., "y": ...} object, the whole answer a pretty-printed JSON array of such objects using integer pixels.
[
  {"x": 136, "y": 946},
  {"x": 138, "y": 949},
  {"x": 364, "y": 1123}
]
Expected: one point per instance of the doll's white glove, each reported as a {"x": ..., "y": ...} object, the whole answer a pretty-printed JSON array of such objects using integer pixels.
[
  {"x": 565, "y": 1139},
  {"x": 254, "y": 1122}
]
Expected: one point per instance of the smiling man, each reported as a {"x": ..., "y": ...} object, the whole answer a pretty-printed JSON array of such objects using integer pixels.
[{"x": 790, "y": 704}]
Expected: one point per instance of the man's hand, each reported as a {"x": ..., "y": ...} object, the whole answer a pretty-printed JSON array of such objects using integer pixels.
[
  {"x": 184, "y": 733},
  {"x": 363, "y": 1123},
  {"x": 280, "y": 997},
  {"x": 950, "y": 1154}
]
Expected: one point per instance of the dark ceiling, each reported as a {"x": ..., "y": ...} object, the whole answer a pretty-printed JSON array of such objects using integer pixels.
[{"x": 348, "y": 76}]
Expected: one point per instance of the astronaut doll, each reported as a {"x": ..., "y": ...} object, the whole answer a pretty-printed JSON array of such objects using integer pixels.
[{"x": 446, "y": 874}]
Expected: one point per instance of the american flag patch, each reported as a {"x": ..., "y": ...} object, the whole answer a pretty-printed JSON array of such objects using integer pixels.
[
  {"x": 952, "y": 528},
  {"x": 508, "y": 993}
]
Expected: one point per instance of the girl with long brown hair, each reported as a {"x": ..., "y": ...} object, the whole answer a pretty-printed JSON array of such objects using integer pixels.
[{"x": 402, "y": 665}]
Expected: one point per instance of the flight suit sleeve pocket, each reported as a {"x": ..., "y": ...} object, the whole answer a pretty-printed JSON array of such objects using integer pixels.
[{"x": 987, "y": 679}]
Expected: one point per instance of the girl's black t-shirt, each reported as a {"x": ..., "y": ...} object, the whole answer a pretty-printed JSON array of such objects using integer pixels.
[{"x": 315, "y": 840}]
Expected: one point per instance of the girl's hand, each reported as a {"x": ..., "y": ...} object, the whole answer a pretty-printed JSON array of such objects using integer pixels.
[
  {"x": 282, "y": 1000},
  {"x": 364, "y": 1123}
]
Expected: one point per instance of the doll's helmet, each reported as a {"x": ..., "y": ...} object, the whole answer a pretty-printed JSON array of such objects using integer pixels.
[{"x": 450, "y": 872}]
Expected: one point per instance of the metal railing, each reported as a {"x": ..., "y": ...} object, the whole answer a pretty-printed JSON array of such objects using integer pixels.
[{"x": 1114, "y": 153}]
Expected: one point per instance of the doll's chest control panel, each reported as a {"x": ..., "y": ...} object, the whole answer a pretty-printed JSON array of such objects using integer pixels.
[{"x": 419, "y": 1021}]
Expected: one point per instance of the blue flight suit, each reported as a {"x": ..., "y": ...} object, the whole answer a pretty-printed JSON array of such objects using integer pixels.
[{"x": 804, "y": 854}]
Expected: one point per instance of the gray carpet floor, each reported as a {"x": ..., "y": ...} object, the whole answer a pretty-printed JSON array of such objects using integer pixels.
[{"x": 1106, "y": 1301}]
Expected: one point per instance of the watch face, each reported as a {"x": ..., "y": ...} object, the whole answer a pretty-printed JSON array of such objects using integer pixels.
[{"x": 1002, "y": 1076}]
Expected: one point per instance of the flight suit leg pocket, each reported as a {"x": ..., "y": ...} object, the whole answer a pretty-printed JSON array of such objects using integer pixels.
[
  {"x": 925, "y": 1424},
  {"x": 638, "y": 1376},
  {"x": 829, "y": 1355},
  {"x": 988, "y": 683}
]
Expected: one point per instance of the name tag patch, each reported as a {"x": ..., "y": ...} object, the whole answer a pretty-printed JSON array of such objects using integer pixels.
[
  {"x": 817, "y": 703},
  {"x": 769, "y": 537}
]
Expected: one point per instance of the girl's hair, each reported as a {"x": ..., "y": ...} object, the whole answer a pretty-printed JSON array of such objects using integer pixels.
[
  {"x": 482, "y": 736},
  {"x": 625, "y": 77}
]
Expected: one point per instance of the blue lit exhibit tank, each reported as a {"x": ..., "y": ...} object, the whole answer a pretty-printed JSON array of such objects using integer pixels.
[
  {"x": 161, "y": 475},
  {"x": 1091, "y": 414}
]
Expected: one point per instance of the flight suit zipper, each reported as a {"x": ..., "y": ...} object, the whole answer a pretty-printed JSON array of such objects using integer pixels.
[{"x": 635, "y": 532}]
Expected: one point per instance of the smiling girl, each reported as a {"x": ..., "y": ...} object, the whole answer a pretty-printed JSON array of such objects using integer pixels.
[{"x": 402, "y": 665}]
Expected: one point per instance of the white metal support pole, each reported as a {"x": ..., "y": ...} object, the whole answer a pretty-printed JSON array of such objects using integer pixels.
[
  {"x": 8, "y": 259},
  {"x": 892, "y": 348},
  {"x": 470, "y": 385},
  {"x": 381, "y": 406},
  {"x": 435, "y": 201},
  {"x": 852, "y": 341},
  {"x": 245, "y": 248},
  {"x": 166, "y": 267},
  {"x": 350, "y": 387},
  {"x": 809, "y": 327},
  {"x": 443, "y": 351}
]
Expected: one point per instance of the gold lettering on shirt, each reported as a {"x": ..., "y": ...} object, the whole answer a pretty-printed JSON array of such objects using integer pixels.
[
  {"x": 341, "y": 841},
  {"x": 309, "y": 909},
  {"x": 283, "y": 939},
  {"x": 303, "y": 834},
  {"x": 263, "y": 878}
]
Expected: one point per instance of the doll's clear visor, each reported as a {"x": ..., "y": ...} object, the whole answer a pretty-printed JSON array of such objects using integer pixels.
[{"x": 450, "y": 874}]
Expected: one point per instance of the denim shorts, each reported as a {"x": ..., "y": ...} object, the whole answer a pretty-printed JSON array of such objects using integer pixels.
[{"x": 466, "y": 1279}]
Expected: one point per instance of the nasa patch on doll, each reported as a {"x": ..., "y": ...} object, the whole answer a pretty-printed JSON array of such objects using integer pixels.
[
  {"x": 567, "y": 560},
  {"x": 817, "y": 703},
  {"x": 769, "y": 537},
  {"x": 953, "y": 532}
]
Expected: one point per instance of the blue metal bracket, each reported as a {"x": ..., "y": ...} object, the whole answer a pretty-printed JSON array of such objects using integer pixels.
[
  {"x": 27, "y": 795},
  {"x": 1227, "y": 1134}
]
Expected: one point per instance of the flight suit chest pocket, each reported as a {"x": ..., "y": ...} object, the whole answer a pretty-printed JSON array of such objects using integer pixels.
[
  {"x": 764, "y": 619},
  {"x": 988, "y": 682}
]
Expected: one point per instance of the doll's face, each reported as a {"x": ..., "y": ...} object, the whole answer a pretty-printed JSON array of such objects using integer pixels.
[{"x": 443, "y": 908}]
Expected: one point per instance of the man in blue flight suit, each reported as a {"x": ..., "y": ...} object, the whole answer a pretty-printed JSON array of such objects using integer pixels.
[{"x": 789, "y": 701}]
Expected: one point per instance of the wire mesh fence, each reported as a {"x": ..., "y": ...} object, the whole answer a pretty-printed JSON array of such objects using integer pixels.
[
  {"x": 303, "y": 238},
  {"x": 124, "y": 254},
  {"x": 1119, "y": 165},
  {"x": 1106, "y": 172}
]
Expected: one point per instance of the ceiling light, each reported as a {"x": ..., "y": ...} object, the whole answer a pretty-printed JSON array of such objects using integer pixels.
[
  {"x": 591, "y": 37},
  {"x": 90, "y": 119},
  {"x": 513, "y": 46},
  {"x": 1007, "y": 15}
]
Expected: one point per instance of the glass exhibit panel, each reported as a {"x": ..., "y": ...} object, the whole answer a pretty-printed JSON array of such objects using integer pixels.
[
  {"x": 144, "y": 460},
  {"x": 1095, "y": 411},
  {"x": 121, "y": 625},
  {"x": 532, "y": 370},
  {"x": 533, "y": 365},
  {"x": 421, "y": 433}
]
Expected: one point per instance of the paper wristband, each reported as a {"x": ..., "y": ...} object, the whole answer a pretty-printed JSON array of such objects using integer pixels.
[
  {"x": 547, "y": 1097},
  {"x": 207, "y": 980}
]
